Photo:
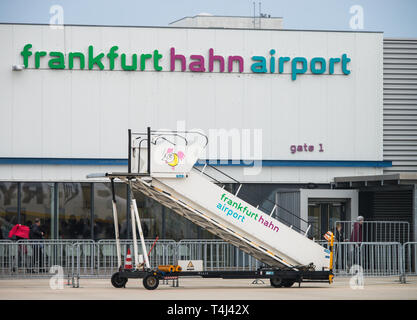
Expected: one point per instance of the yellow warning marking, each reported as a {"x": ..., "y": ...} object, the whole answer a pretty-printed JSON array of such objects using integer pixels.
[{"x": 190, "y": 266}]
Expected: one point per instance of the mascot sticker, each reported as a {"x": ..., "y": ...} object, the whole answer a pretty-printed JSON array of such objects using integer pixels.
[{"x": 173, "y": 158}]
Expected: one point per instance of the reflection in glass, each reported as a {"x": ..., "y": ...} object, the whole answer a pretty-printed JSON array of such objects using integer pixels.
[
  {"x": 314, "y": 219},
  {"x": 151, "y": 215},
  {"x": 8, "y": 207},
  {"x": 36, "y": 200},
  {"x": 323, "y": 215},
  {"x": 160, "y": 221},
  {"x": 103, "y": 211},
  {"x": 179, "y": 228},
  {"x": 74, "y": 210}
]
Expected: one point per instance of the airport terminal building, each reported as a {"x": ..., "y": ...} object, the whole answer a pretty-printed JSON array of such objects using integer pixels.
[{"x": 321, "y": 123}]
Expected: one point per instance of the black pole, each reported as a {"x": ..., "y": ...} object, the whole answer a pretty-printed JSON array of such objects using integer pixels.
[
  {"x": 56, "y": 211},
  {"x": 149, "y": 150},
  {"x": 92, "y": 211},
  {"x": 19, "y": 206},
  {"x": 129, "y": 151},
  {"x": 129, "y": 226}
]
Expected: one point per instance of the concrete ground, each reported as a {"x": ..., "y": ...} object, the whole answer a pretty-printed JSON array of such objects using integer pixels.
[{"x": 205, "y": 289}]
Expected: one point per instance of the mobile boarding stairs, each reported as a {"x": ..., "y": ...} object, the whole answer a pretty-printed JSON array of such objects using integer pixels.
[{"x": 161, "y": 166}]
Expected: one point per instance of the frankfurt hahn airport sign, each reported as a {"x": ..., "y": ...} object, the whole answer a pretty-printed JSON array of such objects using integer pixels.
[{"x": 271, "y": 63}]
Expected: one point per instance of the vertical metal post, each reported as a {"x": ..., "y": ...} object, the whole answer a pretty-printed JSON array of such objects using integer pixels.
[
  {"x": 149, "y": 150},
  {"x": 135, "y": 242},
  {"x": 128, "y": 222},
  {"x": 414, "y": 219},
  {"x": 92, "y": 211},
  {"x": 116, "y": 225},
  {"x": 56, "y": 210},
  {"x": 142, "y": 240},
  {"x": 51, "y": 192},
  {"x": 19, "y": 206},
  {"x": 129, "y": 151},
  {"x": 218, "y": 256}
]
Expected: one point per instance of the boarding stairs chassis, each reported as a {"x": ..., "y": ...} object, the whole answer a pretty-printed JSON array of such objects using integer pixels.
[
  {"x": 278, "y": 278},
  {"x": 208, "y": 223}
]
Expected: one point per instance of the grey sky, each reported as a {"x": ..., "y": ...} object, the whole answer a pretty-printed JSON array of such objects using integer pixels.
[{"x": 396, "y": 18}]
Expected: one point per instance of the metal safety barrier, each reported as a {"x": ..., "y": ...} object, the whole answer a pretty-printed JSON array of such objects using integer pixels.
[
  {"x": 164, "y": 252},
  {"x": 87, "y": 258},
  {"x": 36, "y": 257},
  {"x": 375, "y": 259},
  {"x": 410, "y": 258},
  {"x": 216, "y": 255},
  {"x": 7, "y": 252},
  {"x": 381, "y": 259},
  {"x": 373, "y": 231},
  {"x": 346, "y": 255}
]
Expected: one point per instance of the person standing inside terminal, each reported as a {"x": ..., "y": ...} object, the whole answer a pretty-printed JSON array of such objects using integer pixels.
[
  {"x": 356, "y": 238},
  {"x": 339, "y": 247},
  {"x": 339, "y": 236},
  {"x": 356, "y": 235},
  {"x": 36, "y": 233}
]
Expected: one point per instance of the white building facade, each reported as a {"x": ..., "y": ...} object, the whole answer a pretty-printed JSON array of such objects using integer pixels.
[{"x": 281, "y": 108}]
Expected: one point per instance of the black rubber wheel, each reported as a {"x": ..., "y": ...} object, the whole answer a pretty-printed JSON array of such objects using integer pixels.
[
  {"x": 276, "y": 282},
  {"x": 287, "y": 283},
  {"x": 150, "y": 282},
  {"x": 117, "y": 281}
]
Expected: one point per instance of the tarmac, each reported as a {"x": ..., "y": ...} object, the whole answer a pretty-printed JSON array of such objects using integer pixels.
[{"x": 210, "y": 289}]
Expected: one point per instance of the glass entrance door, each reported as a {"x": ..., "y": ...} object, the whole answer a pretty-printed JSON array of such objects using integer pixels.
[{"x": 322, "y": 216}]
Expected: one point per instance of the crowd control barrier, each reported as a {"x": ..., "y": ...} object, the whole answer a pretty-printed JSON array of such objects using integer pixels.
[
  {"x": 410, "y": 258},
  {"x": 88, "y": 258},
  {"x": 374, "y": 231},
  {"x": 216, "y": 255}
]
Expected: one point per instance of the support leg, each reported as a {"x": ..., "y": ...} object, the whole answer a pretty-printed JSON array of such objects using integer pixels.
[
  {"x": 142, "y": 239},
  {"x": 135, "y": 242},
  {"x": 116, "y": 225}
]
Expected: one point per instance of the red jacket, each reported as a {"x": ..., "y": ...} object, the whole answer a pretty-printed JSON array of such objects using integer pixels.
[
  {"x": 19, "y": 231},
  {"x": 356, "y": 235}
]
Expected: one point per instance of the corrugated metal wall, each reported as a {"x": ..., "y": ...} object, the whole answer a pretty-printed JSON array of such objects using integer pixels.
[
  {"x": 393, "y": 205},
  {"x": 400, "y": 104}
]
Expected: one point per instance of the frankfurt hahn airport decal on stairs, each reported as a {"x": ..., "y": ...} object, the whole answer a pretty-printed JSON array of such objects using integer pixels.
[{"x": 237, "y": 211}]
